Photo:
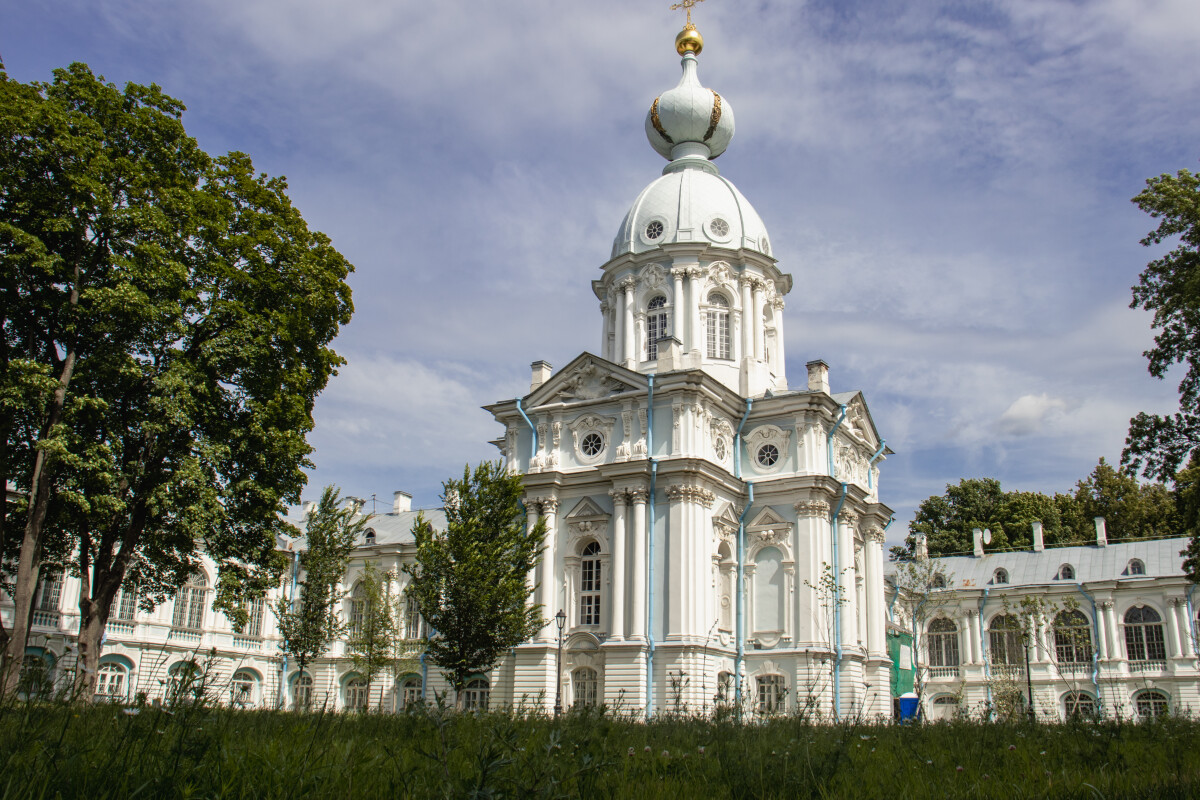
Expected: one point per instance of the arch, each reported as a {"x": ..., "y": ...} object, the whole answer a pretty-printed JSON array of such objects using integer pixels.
[
  {"x": 112, "y": 681},
  {"x": 944, "y": 707},
  {"x": 1152, "y": 703},
  {"x": 657, "y": 324},
  {"x": 244, "y": 691},
  {"x": 1079, "y": 705},
  {"x": 1072, "y": 637},
  {"x": 585, "y": 687},
  {"x": 358, "y": 609},
  {"x": 355, "y": 692},
  {"x": 185, "y": 682},
  {"x": 1144, "y": 639},
  {"x": 1135, "y": 567},
  {"x": 938, "y": 582},
  {"x": 117, "y": 658},
  {"x": 410, "y": 694},
  {"x": 1000, "y": 576},
  {"x": 1066, "y": 572},
  {"x": 719, "y": 341},
  {"x": 189, "y": 602},
  {"x": 302, "y": 684},
  {"x": 725, "y": 693},
  {"x": 771, "y": 691}
]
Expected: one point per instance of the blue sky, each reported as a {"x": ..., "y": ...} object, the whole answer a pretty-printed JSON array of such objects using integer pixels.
[{"x": 949, "y": 184}]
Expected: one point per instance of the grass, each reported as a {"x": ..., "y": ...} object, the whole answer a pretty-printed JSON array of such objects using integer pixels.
[{"x": 54, "y": 750}]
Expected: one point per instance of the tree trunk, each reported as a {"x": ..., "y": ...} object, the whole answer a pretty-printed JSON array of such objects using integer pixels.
[{"x": 91, "y": 631}]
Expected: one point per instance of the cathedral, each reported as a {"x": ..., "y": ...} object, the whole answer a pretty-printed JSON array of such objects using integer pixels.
[{"x": 713, "y": 535}]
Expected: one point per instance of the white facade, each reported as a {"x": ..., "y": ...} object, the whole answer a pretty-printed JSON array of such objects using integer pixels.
[{"x": 1111, "y": 630}]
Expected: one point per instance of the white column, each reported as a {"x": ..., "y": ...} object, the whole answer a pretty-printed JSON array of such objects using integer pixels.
[
  {"x": 756, "y": 318},
  {"x": 972, "y": 634},
  {"x": 605, "y": 349},
  {"x": 781, "y": 360},
  {"x": 1172, "y": 628},
  {"x": 1185, "y": 629},
  {"x": 845, "y": 578},
  {"x": 1102, "y": 632},
  {"x": 637, "y": 622},
  {"x": 789, "y": 592},
  {"x": 674, "y": 575},
  {"x": 875, "y": 639},
  {"x": 531, "y": 581},
  {"x": 617, "y": 621},
  {"x": 630, "y": 334},
  {"x": 680, "y": 316},
  {"x": 550, "y": 577},
  {"x": 1044, "y": 644},
  {"x": 747, "y": 319},
  {"x": 1114, "y": 644},
  {"x": 695, "y": 286},
  {"x": 618, "y": 321}
]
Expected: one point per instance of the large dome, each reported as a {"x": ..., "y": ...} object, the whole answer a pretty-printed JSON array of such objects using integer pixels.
[{"x": 691, "y": 203}]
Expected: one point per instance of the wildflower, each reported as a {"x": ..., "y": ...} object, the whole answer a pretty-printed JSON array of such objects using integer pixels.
[
  {"x": 930, "y": 762},
  {"x": 1012, "y": 747},
  {"x": 630, "y": 751},
  {"x": 865, "y": 738},
  {"x": 133, "y": 712},
  {"x": 958, "y": 768},
  {"x": 701, "y": 749},
  {"x": 1043, "y": 752},
  {"x": 985, "y": 776},
  {"x": 666, "y": 754},
  {"x": 646, "y": 749}
]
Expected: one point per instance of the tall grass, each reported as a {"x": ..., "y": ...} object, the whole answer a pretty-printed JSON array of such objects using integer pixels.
[{"x": 54, "y": 750}]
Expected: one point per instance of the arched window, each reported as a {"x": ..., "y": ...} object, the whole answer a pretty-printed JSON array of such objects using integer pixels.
[
  {"x": 1066, "y": 573},
  {"x": 1072, "y": 638},
  {"x": 771, "y": 693},
  {"x": 943, "y": 643},
  {"x": 939, "y": 581},
  {"x": 111, "y": 682},
  {"x": 476, "y": 695},
  {"x": 302, "y": 692},
  {"x": 49, "y": 591},
  {"x": 718, "y": 327},
  {"x": 1006, "y": 641},
  {"x": 589, "y": 585},
  {"x": 945, "y": 707},
  {"x": 656, "y": 325},
  {"x": 1151, "y": 703},
  {"x": 355, "y": 692},
  {"x": 358, "y": 609},
  {"x": 585, "y": 684},
  {"x": 1079, "y": 705},
  {"x": 37, "y": 676},
  {"x": 189, "y": 603},
  {"x": 369, "y": 536},
  {"x": 1144, "y": 635},
  {"x": 725, "y": 691},
  {"x": 410, "y": 692},
  {"x": 243, "y": 689},
  {"x": 1000, "y": 576},
  {"x": 185, "y": 683},
  {"x": 1136, "y": 567}
]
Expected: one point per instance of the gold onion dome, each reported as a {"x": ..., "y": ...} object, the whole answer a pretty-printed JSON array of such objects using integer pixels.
[{"x": 689, "y": 40}]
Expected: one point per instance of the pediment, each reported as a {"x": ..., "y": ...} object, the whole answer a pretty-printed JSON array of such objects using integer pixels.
[
  {"x": 587, "y": 509},
  {"x": 768, "y": 518},
  {"x": 726, "y": 516},
  {"x": 588, "y": 377},
  {"x": 859, "y": 424}
]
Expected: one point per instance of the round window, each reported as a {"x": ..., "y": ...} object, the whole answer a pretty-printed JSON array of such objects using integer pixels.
[
  {"x": 654, "y": 229},
  {"x": 592, "y": 444},
  {"x": 719, "y": 448},
  {"x": 719, "y": 228},
  {"x": 766, "y": 246},
  {"x": 767, "y": 455}
]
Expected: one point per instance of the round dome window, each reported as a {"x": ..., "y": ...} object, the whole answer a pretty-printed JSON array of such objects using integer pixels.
[
  {"x": 719, "y": 228},
  {"x": 654, "y": 230},
  {"x": 766, "y": 246},
  {"x": 767, "y": 455}
]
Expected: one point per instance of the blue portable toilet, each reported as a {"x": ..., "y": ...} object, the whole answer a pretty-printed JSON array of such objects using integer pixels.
[{"x": 909, "y": 706}]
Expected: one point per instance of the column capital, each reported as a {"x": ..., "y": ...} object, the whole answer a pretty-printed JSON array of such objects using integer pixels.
[
  {"x": 848, "y": 518},
  {"x": 695, "y": 494},
  {"x": 638, "y": 495},
  {"x": 620, "y": 497},
  {"x": 1176, "y": 602},
  {"x": 696, "y": 271},
  {"x": 626, "y": 284},
  {"x": 679, "y": 273},
  {"x": 811, "y": 508},
  {"x": 875, "y": 534},
  {"x": 549, "y": 504},
  {"x": 1105, "y": 604}
]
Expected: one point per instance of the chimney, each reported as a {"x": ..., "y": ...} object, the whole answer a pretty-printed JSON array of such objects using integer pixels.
[
  {"x": 818, "y": 376},
  {"x": 541, "y": 373},
  {"x": 401, "y": 502},
  {"x": 922, "y": 547},
  {"x": 670, "y": 354},
  {"x": 1101, "y": 532},
  {"x": 1039, "y": 543},
  {"x": 310, "y": 507},
  {"x": 353, "y": 504},
  {"x": 981, "y": 538}
]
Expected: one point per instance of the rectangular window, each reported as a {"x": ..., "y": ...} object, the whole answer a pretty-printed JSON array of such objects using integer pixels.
[
  {"x": 51, "y": 591},
  {"x": 718, "y": 334},
  {"x": 124, "y": 607},
  {"x": 254, "y": 625},
  {"x": 589, "y": 588},
  {"x": 412, "y": 619}
]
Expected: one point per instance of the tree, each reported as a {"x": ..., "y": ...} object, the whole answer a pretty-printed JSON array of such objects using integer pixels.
[
  {"x": 927, "y": 588},
  {"x": 374, "y": 623},
  {"x": 1159, "y": 445},
  {"x": 166, "y": 318},
  {"x": 1131, "y": 509},
  {"x": 470, "y": 581},
  {"x": 309, "y": 623}
]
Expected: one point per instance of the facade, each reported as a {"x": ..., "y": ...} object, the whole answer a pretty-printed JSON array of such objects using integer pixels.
[
  {"x": 1109, "y": 629},
  {"x": 713, "y": 535}
]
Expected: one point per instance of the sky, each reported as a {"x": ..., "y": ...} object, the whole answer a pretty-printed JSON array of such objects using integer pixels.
[{"x": 949, "y": 184}]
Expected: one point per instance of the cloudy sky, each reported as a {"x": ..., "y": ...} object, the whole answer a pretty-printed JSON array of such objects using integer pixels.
[{"x": 948, "y": 182}]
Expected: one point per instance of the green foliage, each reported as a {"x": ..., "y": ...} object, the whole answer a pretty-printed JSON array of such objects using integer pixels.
[
  {"x": 375, "y": 623},
  {"x": 1170, "y": 287},
  {"x": 200, "y": 751},
  {"x": 470, "y": 581},
  {"x": 309, "y": 623},
  {"x": 1133, "y": 510},
  {"x": 166, "y": 323}
]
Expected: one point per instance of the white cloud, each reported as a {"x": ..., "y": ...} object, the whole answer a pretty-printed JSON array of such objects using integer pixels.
[{"x": 1029, "y": 414}]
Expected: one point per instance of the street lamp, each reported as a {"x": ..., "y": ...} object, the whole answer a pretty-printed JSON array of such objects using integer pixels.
[
  {"x": 560, "y": 619},
  {"x": 1028, "y": 678}
]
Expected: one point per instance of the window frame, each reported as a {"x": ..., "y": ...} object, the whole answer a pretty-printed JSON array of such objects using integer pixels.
[
  {"x": 585, "y": 687},
  {"x": 1008, "y": 639},
  {"x": 658, "y": 324},
  {"x": 1145, "y": 640},
  {"x": 770, "y": 694},
  {"x": 591, "y": 577},
  {"x": 718, "y": 335},
  {"x": 190, "y": 600},
  {"x": 476, "y": 694},
  {"x": 1072, "y": 638},
  {"x": 942, "y": 644}
]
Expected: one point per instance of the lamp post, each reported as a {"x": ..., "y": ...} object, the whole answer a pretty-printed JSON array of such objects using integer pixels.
[
  {"x": 560, "y": 619},
  {"x": 1029, "y": 679}
]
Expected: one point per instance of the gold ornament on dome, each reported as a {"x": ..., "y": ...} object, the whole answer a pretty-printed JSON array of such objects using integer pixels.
[{"x": 689, "y": 39}]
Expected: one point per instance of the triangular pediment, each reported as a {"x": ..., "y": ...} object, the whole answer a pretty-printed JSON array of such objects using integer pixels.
[
  {"x": 588, "y": 377},
  {"x": 859, "y": 423},
  {"x": 587, "y": 509},
  {"x": 726, "y": 516},
  {"x": 768, "y": 518}
]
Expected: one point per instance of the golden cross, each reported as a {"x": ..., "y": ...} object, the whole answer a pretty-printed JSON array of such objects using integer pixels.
[{"x": 686, "y": 5}]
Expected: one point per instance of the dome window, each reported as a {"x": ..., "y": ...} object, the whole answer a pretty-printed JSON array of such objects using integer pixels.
[
  {"x": 654, "y": 229},
  {"x": 720, "y": 449},
  {"x": 718, "y": 228},
  {"x": 766, "y": 246},
  {"x": 767, "y": 455},
  {"x": 592, "y": 445}
]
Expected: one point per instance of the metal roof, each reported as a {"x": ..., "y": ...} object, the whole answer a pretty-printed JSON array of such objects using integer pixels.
[
  {"x": 393, "y": 529},
  {"x": 1160, "y": 557}
]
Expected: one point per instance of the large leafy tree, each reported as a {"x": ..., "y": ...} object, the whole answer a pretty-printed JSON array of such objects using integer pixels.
[
  {"x": 166, "y": 323},
  {"x": 310, "y": 622},
  {"x": 470, "y": 580}
]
